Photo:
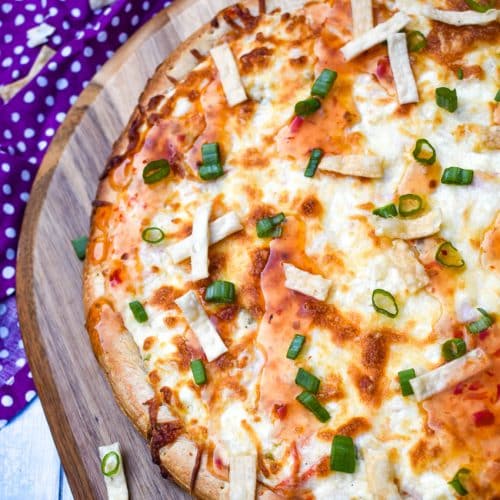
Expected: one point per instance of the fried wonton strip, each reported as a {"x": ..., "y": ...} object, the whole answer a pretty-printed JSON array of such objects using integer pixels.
[
  {"x": 357, "y": 165},
  {"x": 362, "y": 16},
  {"x": 242, "y": 476},
  {"x": 40, "y": 34},
  {"x": 7, "y": 92},
  {"x": 380, "y": 475},
  {"x": 401, "y": 68},
  {"x": 203, "y": 328},
  {"x": 301, "y": 281},
  {"x": 99, "y": 4},
  {"x": 461, "y": 18},
  {"x": 374, "y": 36},
  {"x": 199, "y": 242},
  {"x": 116, "y": 484},
  {"x": 410, "y": 269},
  {"x": 408, "y": 229},
  {"x": 218, "y": 230},
  {"x": 450, "y": 374},
  {"x": 229, "y": 74}
]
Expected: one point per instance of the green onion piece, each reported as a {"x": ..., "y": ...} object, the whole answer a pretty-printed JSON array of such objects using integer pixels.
[
  {"x": 314, "y": 160},
  {"x": 153, "y": 235},
  {"x": 210, "y": 172},
  {"x": 480, "y": 7},
  {"x": 460, "y": 74},
  {"x": 409, "y": 204},
  {"x": 311, "y": 403},
  {"x": 268, "y": 226},
  {"x": 307, "y": 107},
  {"x": 416, "y": 41},
  {"x": 456, "y": 482},
  {"x": 404, "y": 381},
  {"x": 485, "y": 321},
  {"x": 80, "y": 246},
  {"x": 387, "y": 211},
  {"x": 457, "y": 175},
  {"x": 220, "y": 292},
  {"x": 447, "y": 99},
  {"x": 324, "y": 83},
  {"x": 343, "y": 456},
  {"x": 138, "y": 311},
  {"x": 307, "y": 381},
  {"x": 198, "y": 370},
  {"x": 295, "y": 346},
  {"x": 453, "y": 349},
  {"x": 211, "y": 168},
  {"x": 424, "y": 152},
  {"x": 155, "y": 171},
  {"x": 384, "y": 303},
  {"x": 449, "y": 256},
  {"x": 110, "y": 463},
  {"x": 497, "y": 96}
]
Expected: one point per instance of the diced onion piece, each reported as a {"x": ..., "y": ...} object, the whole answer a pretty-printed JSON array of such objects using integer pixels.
[
  {"x": 218, "y": 229},
  {"x": 380, "y": 474},
  {"x": 401, "y": 68},
  {"x": 242, "y": 476},
  {"x": 229, "y": 74},
  {"x": 408, "y": 229},
  {"x": 38, "y": 35},
  {"x": 450, "y": 374},
  {"x": 374, "y": 36},
  {"x": 409, "y": 267},
  {"x": 357, "y": 165},
  {"x": 116, "y": 483},
  {"x": 461, "y": 18},
  {"x": 199, "y": 242},
  {"x": 99, "y": 4},
  {"x": 309, "y": 284},
  {"x": 362, "y": 16},
  {"x": 203, "y": 328}
]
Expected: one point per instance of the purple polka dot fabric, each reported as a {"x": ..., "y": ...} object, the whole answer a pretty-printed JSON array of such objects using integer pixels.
[{"x": 84, "y": 39}]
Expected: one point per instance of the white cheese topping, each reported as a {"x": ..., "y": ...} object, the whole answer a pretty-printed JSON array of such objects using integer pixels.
[
  {"x": 301, "y": 281},
  {"x": 380, "y": 474},
  {"x": 408, "y": 229},
  {"x": 205, "y": 331},
  {"x": 357, "y": 165},
  {"x": 116, "y": 485},
  {"x": 242, "y": 476},
  {"x": 410, "y": 269},
  {"x": 362, "y": 16},
  {"x": 199, "y": 242},
  {"x": 40, "y": 34},
  {"x": 461, "y": 18}
]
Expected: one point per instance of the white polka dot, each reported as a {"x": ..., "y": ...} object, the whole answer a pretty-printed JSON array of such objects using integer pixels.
[
  {"x": 24, "y": 197},
  {"x": 88, "y": 51},
  {"x": 10, "y": 381},
  {"x": 6, "y": 189},
  {"x": 10, "y": 232},
  {"x": 30, "y": 395},
  {"x": 10, "y": 291},
  {"x": 79, "y": 35},
  {"x": 24, "y": 60},
  {"x": 109, "y": 54},
  {"x": 107, "y": 11},
  {"x": 52, "y": 65},
  {"x": 115, "y": 21},
  {"x": 122, "y": 38},
  {"x": 30, "y": 7},
  {"x": 29, "y": 97},
  {"x": 10, "y": 254},
  {"x": 5, "y": 167},
  {"x": 62, "y": 84},
  {"x": 3, "y": 309},
  {"x": 75, "y": 12},
  {"x": 8, "y": 208},
  {"x": 18, "y": 50},
  {"x": 32, "y": 159},
  {"x": 38, "y": 18},
  {"x": 135, "y": 20},
  {"x": 4, "y": 354},
  {"x": 66, "y": 51},
  {"x": 76, "y": 66},
  {"x": 7, "y": 134},
  {"x": 128, "y": 7},
  {"x": 11, "y": 150},
  {"x": 20, "y": 344},
  {"x": 30, "y": 375},
  {"x": 21, "y": 146},
  {"x": 65, "y": 25},
  {"x": 25, "y": 175},
  {"x": 29, "y": 133},
  {"x": 41, "y": 81},
  {"x": 7, "y": 38},
  {"x": 53, "y": 11},
  {"x": 60, "y": 117},
  {"x": 97, "y": 27},
  {"x": 102, "y": 36},
  {"x": 7, "y": 62},
  {"x": 40, "y": 118},
  {"x": 49, "y": 132},
  {"x": 4, "y": 332},
  {"x": 20, "y": 362},
  {"x": 8, "y": 272},
  {"x": 49, "y": 100},
  {"x": 84, "y": 84},
  {"x": 6, "y": 401},
  {"x": 15, "y": 117},
  {"x": 145, "y": 5},
  {"x": 42, "y": 145},
  {"x": 72, "y": 100},
  {"x": 19, "y": 20},
  {"x": 15, "y": 74}
]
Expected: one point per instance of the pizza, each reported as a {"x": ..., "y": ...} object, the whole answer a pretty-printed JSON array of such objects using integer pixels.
[{"x": 292, "y": 275}]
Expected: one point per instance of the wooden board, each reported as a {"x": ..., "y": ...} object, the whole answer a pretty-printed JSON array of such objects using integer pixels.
[{"x": 75, "y": 396}]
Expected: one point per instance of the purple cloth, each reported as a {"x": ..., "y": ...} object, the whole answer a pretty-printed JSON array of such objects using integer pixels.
[{"x": 84, "y": 40}]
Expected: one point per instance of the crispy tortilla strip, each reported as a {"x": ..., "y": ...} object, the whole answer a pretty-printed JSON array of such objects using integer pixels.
[
  {"x": 39, "y": 34},
  {"x": 242, "y": 476},
  {"x": 408, "y": 229},
  {"x": 401, "y": 68},
  {"x": 450, "y": 374},
  {"x": 301, "y": 281},
  {"x": 7, "y": 92},
  {"x": 199, "y": 242},
  {"x": 374, "y": 36},
  {"x": 99, "y": 4},
  {"x": 410, "y": 269},
  {"x": 205, "y": 331},
  {"x": 490, "y": 137},
  {"x": 116, "y": 485},
  {"x": 218, "y": 230},
  {"x": 362, "y": 16},
  {"x": 461, "y": 18},
  {"x": 229, "y": 74},
  {"x": 357, "y": 165},
  {"x": 380, "y": 475},
  {"x": 285, "y": 5}
]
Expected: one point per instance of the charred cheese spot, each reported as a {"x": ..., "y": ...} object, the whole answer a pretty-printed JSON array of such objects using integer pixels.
[
  {"x": 256, "y": 59},
  {"x": 422, "y": 454},
  {"x": 164, "y": 298},
  {"x": 354, "y": 427},
  {"x": 311, "y": 207}
]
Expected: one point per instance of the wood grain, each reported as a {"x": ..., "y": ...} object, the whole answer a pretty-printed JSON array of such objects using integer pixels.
[{"x": 76, "y": 398}]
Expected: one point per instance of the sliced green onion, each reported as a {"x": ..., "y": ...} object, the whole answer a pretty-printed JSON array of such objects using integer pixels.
[
  {"x": 424, "y": 152},
  {"x": 314, "y": 160},
  {"x": 211, "y": 168},
  {"x": 155, "y": 171},
  {"x": 198, "y": 371},
  {"x": 210, "y": 172},
  {"x": 138, "y": 311},
  {"x": 480, "y": 7},
  {"x": 456, "y": 482},
  {"x": 387, "y": 211},
  {"x": 307, "y": 380},
  {"x": 485, "y": 321},
  {"x": 404, "y": 381},
  {"x": 153, "y": 235},
  {"x": 268, "y": 226},
  {"x": 343, "y": 456},
  {"x": 447, "y": 99},
  {"x": 457, "y": 175},
  {"x": 324, "y": 83},
  {"x": 453, "y": 349},
  {"x": 416, "y": 41},
  {"x": 295, "y": 346},
  {"x": 110, "y": 463},
  {"x": 311, "y": 403},
  {"x": 384, "y": 303},
  {"x": 307, "y": 107},
  {"x": 449, "y": 256},
  {"x": 460, "y": 74},
  {"x": 409, "y": 204},
  {"x": 80, "y": 246},
  {"x": 497, "y": 96},
  {"x": 220, "y": 292}
]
